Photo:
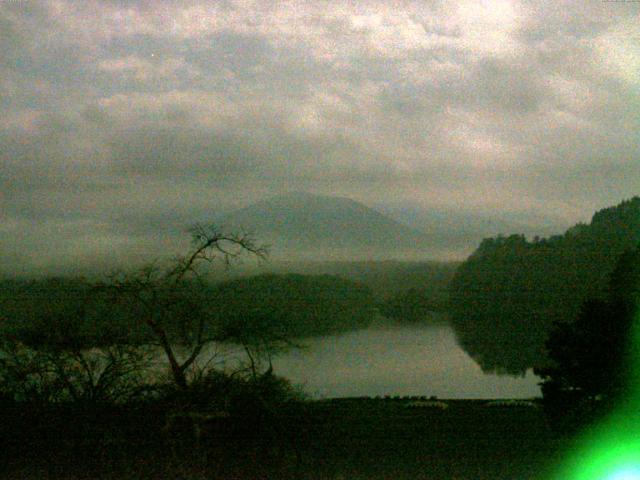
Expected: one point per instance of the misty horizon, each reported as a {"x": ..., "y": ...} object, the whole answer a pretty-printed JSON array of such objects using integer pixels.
[
  {"x": 440, "y": 237},
  {"x": 125, "y": 124}
]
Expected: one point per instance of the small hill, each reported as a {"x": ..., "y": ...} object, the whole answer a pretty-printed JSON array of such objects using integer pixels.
[
  {"x": 507, "y": 294},
  {"x": 305, "y": 227}
]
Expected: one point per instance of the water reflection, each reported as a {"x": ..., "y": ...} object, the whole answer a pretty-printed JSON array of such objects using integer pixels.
[{"x": 396, "y": 360}]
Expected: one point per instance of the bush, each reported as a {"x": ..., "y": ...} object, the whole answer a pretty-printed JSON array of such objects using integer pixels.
[{"x": 42, "y": 376}]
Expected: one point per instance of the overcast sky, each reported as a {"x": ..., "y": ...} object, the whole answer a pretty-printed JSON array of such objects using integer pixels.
[{"x": 123, "y": 121}]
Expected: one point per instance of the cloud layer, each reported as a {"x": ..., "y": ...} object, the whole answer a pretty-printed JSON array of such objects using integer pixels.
[{"x": 123, "y": 122}]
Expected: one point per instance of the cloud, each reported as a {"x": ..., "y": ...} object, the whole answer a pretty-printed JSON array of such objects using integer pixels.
[
  {"x": 132, "y": 119},
  {"x": 619, "y": 50},
  {"x": 145, "y": 70}
]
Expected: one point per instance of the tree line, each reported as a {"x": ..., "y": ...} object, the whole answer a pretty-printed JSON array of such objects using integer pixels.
[{"x": 507, "y": 296}]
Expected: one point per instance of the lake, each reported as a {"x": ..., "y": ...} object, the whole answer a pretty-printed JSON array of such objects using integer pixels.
[{"x": 396, "y": 360}]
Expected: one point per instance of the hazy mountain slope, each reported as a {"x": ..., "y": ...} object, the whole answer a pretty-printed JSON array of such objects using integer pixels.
[
  {"x": 453, "y": 235},
  {"x": 305, "y": 226}
]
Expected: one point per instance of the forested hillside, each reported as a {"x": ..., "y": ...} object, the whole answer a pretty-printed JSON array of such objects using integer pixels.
[
  {"x": 293, "y": 305},
  {"x": 508, "y": 293}
]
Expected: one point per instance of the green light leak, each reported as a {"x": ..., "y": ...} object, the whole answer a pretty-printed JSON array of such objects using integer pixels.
[{"x": 611, "y": 450}]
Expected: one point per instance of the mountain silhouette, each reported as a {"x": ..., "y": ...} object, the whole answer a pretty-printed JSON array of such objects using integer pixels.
[{"x": 305, "y": 226}]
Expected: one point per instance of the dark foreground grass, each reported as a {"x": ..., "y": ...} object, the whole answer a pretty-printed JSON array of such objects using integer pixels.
[{"x": 342, "y": 439}]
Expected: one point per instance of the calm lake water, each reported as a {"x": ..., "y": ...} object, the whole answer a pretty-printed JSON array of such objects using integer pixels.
[{"x": 396, "y": 360}]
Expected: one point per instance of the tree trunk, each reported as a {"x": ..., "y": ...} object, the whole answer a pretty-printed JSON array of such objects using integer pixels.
[
  {"x": 178, "y": 373},
  {"x": 176, "y": 369}
]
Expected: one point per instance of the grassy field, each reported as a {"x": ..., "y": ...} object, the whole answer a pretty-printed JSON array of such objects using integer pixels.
[{"x": 338, "y": 439}]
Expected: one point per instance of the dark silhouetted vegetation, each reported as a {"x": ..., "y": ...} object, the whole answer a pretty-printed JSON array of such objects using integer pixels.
[
  {"x": 386, "y": 279},
  {"x": 80, "y": 388},
  {"x": 292, "y": 305},
  {"x": 344, "y": 438},
  {"x": 403, "y": 291},
  {"x": 61, "y": 343},
  {"x": 414, "y": 305},
  {"x": 507, "y": 295},
  {"x": 591, "y": 358},
  {"x": 175, "y": 300}
]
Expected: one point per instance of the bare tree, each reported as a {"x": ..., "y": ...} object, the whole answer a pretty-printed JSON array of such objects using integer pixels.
[
  {"x": 172, "y": 302},
  {"x": 261, "y": 338}
]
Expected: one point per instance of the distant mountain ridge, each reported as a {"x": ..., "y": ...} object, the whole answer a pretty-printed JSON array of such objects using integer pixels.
[
  {"x": 308, "y": 226},
  {"x": 454, "y": 234}
]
